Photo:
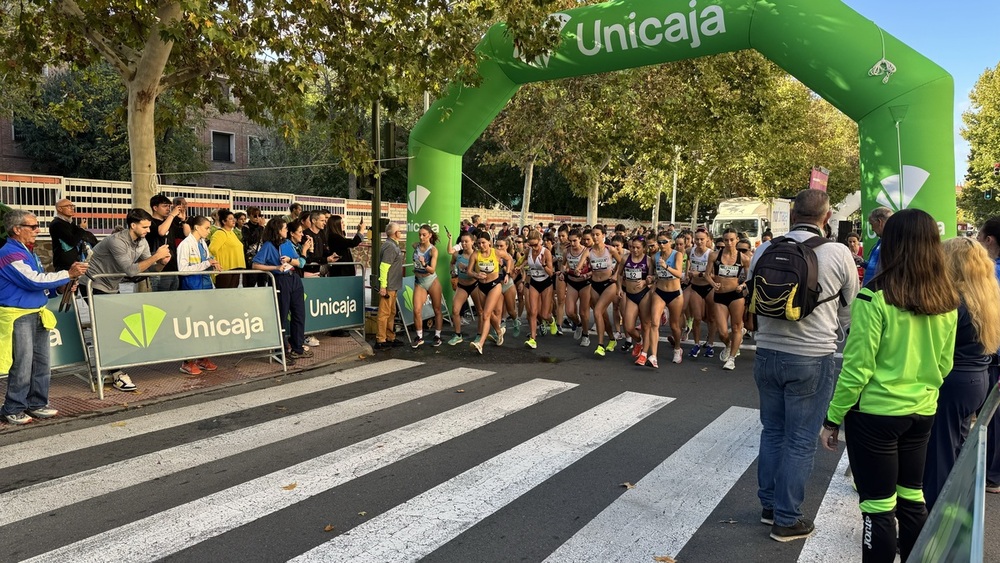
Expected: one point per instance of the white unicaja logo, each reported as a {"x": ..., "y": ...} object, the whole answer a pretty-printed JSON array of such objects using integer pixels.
[
  {"x": 892, "y": 196},
  {"x": 416, "y": 199},
  {"x": 897, "y": 197},
  {"x": 542, "y": 60}
]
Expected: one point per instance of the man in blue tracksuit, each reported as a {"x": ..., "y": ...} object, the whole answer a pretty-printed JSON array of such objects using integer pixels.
[{"x": 25, "y": 322}]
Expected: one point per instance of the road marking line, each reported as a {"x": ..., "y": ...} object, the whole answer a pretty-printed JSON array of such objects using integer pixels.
[
  {"x": 668, "y": 505},
  {"x": 40, "y": 448},
  {"x": 172, "y": 530},
  {"x": 417, "y": 527},
  {"x": 64, "y": 491},
  {"x": 838, "y": 522}
]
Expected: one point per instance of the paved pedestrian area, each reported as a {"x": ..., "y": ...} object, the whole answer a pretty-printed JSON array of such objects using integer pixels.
[{"x": 73, "y": 397}]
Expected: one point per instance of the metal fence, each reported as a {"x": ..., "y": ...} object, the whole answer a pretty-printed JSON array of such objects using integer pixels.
[{"x": 105, "y": 203}]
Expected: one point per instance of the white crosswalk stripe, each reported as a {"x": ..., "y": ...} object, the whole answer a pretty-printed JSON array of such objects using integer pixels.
[
  {"x": 838, "y": 522},
  {"x": 481, "y": 491},
  {"x": 668, "y": 505},
  {"x": 57, "y": 493},
  {"x": 563, "y": 430},
  {"x": 170, "y": 531},
  {"x": 16, "y": 454}
]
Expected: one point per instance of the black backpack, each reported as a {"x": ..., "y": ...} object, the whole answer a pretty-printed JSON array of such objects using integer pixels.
[{"x": 785, "y": 282}]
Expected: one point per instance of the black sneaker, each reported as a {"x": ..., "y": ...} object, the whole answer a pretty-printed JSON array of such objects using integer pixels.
[
  {"x": 395, "y": 343},
  {"x": 417, "y": 343},
  {"x": 437, "y": 340},
  {"x": 801, "y": 529},
  {"x": 767, "y": 516}
]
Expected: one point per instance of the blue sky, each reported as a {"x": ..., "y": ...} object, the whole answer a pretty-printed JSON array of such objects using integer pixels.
[{"x": 963, "y": 36}]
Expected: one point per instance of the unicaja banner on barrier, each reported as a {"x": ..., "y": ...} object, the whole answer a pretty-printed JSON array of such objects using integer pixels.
[
  {"x": 65, "y": 346},
  {"x": 155, "y": 327},
  {"x": 333, "y": 303}
]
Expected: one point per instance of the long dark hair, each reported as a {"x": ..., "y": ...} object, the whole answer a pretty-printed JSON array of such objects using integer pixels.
[
  {"x": 272, "y": 231},
  {"x": 910, "y": 265},
  {"x": 336, "y": 225}
]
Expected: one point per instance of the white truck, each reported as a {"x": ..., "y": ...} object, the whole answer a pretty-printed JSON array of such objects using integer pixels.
[{"x": 753, "y": 217}]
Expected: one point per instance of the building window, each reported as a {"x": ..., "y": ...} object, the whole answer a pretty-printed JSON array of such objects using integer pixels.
[
  {"x": 223, "y": 147},
  {"x": 258, "y": 150}
]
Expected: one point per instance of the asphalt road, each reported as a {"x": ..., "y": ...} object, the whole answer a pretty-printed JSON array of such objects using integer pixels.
[{"x": 439, "y": 454}]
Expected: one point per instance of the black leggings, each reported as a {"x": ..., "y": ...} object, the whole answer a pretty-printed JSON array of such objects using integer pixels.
[{"x": 887, "y": 455}]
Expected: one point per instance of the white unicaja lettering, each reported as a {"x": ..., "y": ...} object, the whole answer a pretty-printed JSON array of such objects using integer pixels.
[
  {"x": 246, "y": 327},
  {"x": 676, "y": 25},
  {"x": 414, "y": 227},
  {"x": 714, "y": 17},
  {"x": 596, "y": 48},
  {"x": 674, "y": 28},
  {"x": 55, "y": 338},
  {"x": 695, "y": 38},
  {"x": 631, "y": 31},
  {"x": 644, "y": 32}
]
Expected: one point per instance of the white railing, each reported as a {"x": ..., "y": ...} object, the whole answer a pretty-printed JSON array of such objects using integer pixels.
[{"x": 105, "y": 203}]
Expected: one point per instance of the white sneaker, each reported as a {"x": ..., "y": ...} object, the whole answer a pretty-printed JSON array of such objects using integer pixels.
[
  {"x": 578, "y": 333},
  {"x": 730, "y": 364},
  {"x": 123, "y": 382},
  {"x": 585, "y": 341},
  {"x": 503, "y": 330},
  {"x": 311, "y": 341},
  {"x": 678, "y": 354},
  {"x": 724, "y": 356}
]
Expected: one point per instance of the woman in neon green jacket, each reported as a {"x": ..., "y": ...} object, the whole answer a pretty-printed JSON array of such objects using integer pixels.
[{"x": 899, "y": 350}]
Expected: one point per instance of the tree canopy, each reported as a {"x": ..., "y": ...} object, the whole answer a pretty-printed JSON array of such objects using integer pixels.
[
  {"x": 260, "y": 56},
  {"x": 982, "y": 130}
]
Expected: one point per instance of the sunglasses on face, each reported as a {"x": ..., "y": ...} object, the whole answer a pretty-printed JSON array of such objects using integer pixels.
[
  {"x": 33, "y": 227},
  {"x": 663, "y": 242}
]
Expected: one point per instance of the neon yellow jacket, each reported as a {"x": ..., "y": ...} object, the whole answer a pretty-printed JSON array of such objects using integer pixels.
[
  {"x": 7, "y": 317},
  {"x": 894, "y": 361}
]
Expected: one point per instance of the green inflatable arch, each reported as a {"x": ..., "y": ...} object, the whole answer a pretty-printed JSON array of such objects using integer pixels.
[{"x": 905, "y": 117}]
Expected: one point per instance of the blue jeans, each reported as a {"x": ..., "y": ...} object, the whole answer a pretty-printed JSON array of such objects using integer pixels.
[
  {"x": 28, "y": 380},
  {"x": 164, "y": 283},
  {"x": 794, "y": 392}
]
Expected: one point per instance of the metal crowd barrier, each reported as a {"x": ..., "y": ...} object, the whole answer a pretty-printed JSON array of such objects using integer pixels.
[{"x": 126, "y": 328}]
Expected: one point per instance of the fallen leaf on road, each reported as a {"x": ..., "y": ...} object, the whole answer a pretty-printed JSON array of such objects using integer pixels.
[
  {"x": 704, "y": 369},
  {"x": 118, "y": 424},
  {"x": 290, "y": 486},
  {"x": 281, "y": 408},
  {"x": 460, "y": 391},
  {"x": 728, "y": 521},
  {"x": 628, "y": 485},
  {"x": 362, "y": 513},
  {"x": 328, "y": 528},
  {"x": 664, "y": 559}
]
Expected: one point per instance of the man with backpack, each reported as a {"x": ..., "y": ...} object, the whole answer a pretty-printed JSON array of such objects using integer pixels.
[{"x": 801, "y": 287}]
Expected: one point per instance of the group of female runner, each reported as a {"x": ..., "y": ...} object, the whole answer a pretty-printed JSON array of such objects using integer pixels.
[{"x": 578, "y": 275}]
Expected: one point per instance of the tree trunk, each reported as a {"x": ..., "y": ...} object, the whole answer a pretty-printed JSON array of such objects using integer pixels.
[
  {"x": 593, "y": 199},
  {"x": 142, "y": 145},
  {"x": 529, "y": 174},
  {"x": 143, "y": 88},
  {"x": 656, "y": 208},
  {"x": 352, "y": 186}
]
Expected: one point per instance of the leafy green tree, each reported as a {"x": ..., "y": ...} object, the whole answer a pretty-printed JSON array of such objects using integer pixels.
[
  {"x": 74, "y": 127},
  {"x": 261, "y": 55},
  {"x": 982, "y": 130}
]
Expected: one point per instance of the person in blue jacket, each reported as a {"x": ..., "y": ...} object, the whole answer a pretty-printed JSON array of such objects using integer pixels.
[
  {"x": 25, "y": 323},
  {"x": 876, "y": 219}
]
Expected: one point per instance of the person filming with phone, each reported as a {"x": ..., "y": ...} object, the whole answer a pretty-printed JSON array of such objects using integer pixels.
[{"x": 339, "y": 246}]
